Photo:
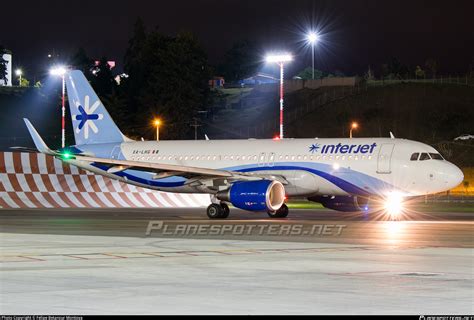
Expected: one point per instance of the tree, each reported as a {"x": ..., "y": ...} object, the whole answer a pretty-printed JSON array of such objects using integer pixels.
[
  {"x": 80, "y": 61},
  {"x": 241, "y": 61},
  {"x": 369, "y": 75},
  {"x": 3, "y": 66},
  {"x": 470, "y": 73},
  {"x": 397, "y": 70},
  {"x": 168, "y": 77},
  {"x": 307, "y": 74},
  {"x": 385, "y": 71},
  {"x": 24, "y": 82},
  {"x": 103, "y": 79},
  {"x": 432, "y": 65},
  {"x": 135, "y": 65},
  {"x": 419, "y": 73}
]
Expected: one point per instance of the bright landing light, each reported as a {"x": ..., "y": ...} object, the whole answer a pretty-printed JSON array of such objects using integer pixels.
[{"x": 394, "y": 204}]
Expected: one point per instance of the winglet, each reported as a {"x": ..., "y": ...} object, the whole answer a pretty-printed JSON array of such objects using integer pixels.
[
  {"x": 38, "y": 141},
  {"x": 207, "y": 138},
  {"x": 391, "y": 135}
]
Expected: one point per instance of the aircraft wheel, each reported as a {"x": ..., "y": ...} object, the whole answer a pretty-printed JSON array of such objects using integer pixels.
[
  {"x": 214, "y": 211},
  {"x": 225, "y": 210},
  {"x": 280, "y": 213}
]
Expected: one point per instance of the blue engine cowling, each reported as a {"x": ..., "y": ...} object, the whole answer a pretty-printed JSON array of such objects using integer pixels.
[
  {"x": 343, "y": 203},
  {"x": 260, "y": 195}
]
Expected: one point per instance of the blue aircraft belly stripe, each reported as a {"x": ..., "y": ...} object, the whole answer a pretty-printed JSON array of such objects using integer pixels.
[
  {"x": 374, "y": 184},
  {"x": 341, "y": 183}
]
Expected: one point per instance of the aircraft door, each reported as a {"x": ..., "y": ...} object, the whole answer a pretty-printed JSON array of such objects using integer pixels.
[{"x": 384, "y": 158}]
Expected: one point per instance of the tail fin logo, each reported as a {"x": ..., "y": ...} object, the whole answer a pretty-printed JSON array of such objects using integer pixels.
[{"x": 87, "y": 116}]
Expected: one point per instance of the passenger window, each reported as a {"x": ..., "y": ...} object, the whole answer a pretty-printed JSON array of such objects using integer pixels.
[
  {"x": 414, "y": 156},
  {"x": 436, "y": 156},
  {"x": 424, "y": 156}
]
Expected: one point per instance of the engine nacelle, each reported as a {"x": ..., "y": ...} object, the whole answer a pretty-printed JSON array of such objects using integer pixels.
[
  {"x": 343, "y": 203},
  {"x": 260, "y": 195}
]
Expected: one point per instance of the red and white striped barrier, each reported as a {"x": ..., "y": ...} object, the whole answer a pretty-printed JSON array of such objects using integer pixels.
[{"x": 34, "y": 180}]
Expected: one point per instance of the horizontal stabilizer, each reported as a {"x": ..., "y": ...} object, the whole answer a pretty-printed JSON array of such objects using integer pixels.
[{"x": 38, "y": 141}]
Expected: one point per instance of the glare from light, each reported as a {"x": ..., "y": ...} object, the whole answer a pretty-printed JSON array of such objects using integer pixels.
[
  {"x": 58, "y": 71},
  {"x": 336, "y": 166},
  {"x": 276, "y": 138},
  {"x": 394, "y": 230},
  {"x": 354, "y": 125},
  {"x": 393, "y": 205},
  {"x": 278, "y": 58},
  {"x": 312, "y": 37},
  {"x": 18, "y": 72},
  {"x": 157, "y": 122}
]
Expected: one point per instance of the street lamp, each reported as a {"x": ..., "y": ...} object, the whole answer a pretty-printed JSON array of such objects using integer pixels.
[
  {"x": 61, "y": 71},
  {"x": 354, "y": 125},
  {"x": 280, "y": 59},
  {"x": 19, "y": 73},
  {"x": 312, "y": 38},
  {"x": 157, "y": 124}
]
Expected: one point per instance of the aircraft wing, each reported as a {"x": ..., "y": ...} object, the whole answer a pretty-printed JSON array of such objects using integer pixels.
[
  {"x": 166, "y": 170},
  {"x": 116, "y": 165}
]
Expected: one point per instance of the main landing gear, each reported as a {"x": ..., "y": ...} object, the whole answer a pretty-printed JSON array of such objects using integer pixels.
[
  {"x": 218, "y": 211},
  {"x": 280, "y": 213},
  {"x": 221, "y": 211}
]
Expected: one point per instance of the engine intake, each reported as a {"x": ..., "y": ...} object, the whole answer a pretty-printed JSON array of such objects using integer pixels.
[{"x": 260, "y": 195}]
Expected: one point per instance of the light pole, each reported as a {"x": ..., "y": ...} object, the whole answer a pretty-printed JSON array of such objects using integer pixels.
[
  {"x": 280, "y": 59},
  {"x": 19, "y": 73},
  {"x": 354, "y": 125},
  {"x": 312, "y": 39},
  {"x": 157, "y": 124},
  {"x": 61, "y": 71}
]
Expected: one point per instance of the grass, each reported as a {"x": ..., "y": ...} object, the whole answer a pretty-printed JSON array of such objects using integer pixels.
[
  {"x": 302, "y": 204},
  {"x": 445, "y": 207},
  {"x": 422, "y": 207}
]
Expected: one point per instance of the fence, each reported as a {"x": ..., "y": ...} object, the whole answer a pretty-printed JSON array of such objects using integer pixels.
[
  {"x": 456, "y": 80},
  {"x": 31, "y": 180}
]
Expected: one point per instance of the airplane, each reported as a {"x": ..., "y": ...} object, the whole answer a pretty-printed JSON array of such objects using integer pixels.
[{"x": 253, "y": 175}]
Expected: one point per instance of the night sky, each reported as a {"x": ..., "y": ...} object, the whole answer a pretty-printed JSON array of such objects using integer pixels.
[{"x": 355, "y": 33}]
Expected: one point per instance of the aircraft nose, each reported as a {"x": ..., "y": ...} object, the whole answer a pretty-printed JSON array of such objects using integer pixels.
[{"x": 455, "y": 175}]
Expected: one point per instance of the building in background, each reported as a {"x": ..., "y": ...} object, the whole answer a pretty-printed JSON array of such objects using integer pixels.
[
  {"x": 217, "y": 82},
  {"x": 259, "y": 78},
  {"x": 8, "y": 57}
]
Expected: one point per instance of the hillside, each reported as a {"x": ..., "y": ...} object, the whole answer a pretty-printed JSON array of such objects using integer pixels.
[{"x": 431, "y": 113}]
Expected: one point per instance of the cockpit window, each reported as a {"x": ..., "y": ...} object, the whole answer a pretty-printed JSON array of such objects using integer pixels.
[
  {"x": 414, "y": 156},
  {"x": 436, "y": 156},
  {"x": 424, "y": 156}
]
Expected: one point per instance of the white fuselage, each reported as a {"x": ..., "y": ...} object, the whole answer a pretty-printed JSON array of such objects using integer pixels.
[{"x": 362, "y": 166}]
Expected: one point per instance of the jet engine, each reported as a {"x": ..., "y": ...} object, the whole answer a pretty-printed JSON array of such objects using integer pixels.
[{"x": 260, "y": 195}]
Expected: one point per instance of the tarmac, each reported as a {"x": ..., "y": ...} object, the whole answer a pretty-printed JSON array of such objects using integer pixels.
[{"x": 176, "y": 261}]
